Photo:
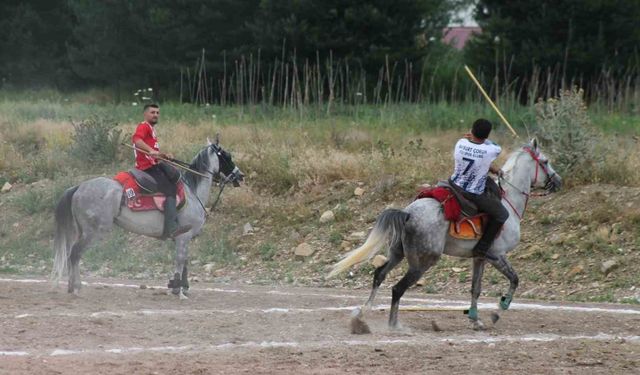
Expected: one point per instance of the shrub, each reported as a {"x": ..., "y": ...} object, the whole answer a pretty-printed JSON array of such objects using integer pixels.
[
  {"x": 96, "y": 140},
  {"x": 567, "y": 133},
  {"x": 273, "y": 172},
  {"x": 267, "y": 251},
  {"x": 32, "y": 201}
]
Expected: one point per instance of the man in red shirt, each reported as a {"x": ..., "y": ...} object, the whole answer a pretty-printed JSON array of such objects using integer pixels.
[{"x": 166, "y": 176}]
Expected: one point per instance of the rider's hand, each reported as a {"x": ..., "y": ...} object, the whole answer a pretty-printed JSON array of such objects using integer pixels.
[
  {"x": 467, "y": 136},
  {"x": 168, "y": 156},
  {"x": 155, "y": 153}
]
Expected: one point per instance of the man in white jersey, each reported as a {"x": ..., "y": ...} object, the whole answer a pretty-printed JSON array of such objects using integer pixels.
[{"x": 473, "y": 156}]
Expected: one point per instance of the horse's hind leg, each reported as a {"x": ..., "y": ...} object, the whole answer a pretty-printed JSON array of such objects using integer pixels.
[
  {"x": 395, "y": 256},
  {"x": 476, "y": 288},
  {"x": 179, "y": 285},
  {"x": 415, "y": 272},
  {"x": 74, "y": 265},
  {"x": 503, "y": 265}
]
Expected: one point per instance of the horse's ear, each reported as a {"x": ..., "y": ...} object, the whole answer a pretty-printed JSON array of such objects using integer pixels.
[
  {"x": 534, "y": 144},
  {"x": 217, "y": 139},
  {"x": 208, "y": 142}
]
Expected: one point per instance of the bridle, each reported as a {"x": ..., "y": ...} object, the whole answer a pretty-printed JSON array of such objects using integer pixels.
[
  {"x": 222, "y": 182},
  {"x": 540, "y": 165}
]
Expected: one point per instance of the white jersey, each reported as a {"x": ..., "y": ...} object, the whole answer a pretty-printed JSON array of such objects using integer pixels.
[{"x": 472, "y": 164}]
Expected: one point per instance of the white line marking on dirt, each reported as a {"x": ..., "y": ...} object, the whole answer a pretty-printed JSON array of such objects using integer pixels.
[
  {"x": 441, "y": 303},
  {"x": 424, "y": 340},
  {"x": 293, "y": 310},
  {"x": 13, "y": 354},
  {"x": 150, "y": 312}
]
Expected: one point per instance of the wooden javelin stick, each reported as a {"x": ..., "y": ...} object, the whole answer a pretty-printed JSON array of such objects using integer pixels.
[
  {"x": 166, "y": 160},
  {"x": 473, "y": 78}
]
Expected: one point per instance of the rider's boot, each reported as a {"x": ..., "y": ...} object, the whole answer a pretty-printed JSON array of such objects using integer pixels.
[
  {"x": 171, "y": 227},
  {"x": 481, "y": 249}
]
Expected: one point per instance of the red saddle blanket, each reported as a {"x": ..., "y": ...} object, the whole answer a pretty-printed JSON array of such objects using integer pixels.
[
  {"x": 136, "y": 200},
  {"x": 452, "y": 209},
  {"x": 466, "y": 228}
]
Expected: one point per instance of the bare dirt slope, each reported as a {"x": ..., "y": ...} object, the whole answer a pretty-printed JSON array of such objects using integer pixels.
[{"x": 117, "y": 327}]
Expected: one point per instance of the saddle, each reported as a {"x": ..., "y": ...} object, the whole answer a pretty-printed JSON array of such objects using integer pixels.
[
  {"x": 466, "y": 222},
  {"x": 141, "y": 191}
]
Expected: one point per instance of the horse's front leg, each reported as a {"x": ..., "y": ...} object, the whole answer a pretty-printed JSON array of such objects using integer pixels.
[
  {"x": 503, "y": 265},
  {"x": 180, "y": 284},
  {"x": 476, "y": 288}
]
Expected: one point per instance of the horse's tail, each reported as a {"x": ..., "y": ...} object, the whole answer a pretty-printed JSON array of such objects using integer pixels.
[
  {"x": 66, "y": 233},
  {"x": 390, "y": 222}
]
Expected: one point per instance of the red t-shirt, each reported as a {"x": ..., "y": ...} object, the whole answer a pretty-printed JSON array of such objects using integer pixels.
[{"x": 145, "y": 132}]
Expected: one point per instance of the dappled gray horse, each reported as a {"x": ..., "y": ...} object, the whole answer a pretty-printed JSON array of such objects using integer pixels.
[
  {"x": 86, "y": 212},
  {"x": 420, "y": 233}
]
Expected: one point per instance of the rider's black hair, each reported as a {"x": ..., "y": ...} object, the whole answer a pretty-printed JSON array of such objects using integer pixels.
[{"x": 481, "y": 128}]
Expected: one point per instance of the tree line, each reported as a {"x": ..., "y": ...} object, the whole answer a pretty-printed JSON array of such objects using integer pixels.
[{"x": 252, "y": 45}]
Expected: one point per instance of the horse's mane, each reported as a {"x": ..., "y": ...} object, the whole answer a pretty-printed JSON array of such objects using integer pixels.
[
  {"x": 511, "y": 161},
  {"x": 199, "y": 163}
]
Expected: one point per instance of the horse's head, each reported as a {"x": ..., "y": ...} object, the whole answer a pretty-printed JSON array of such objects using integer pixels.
[
  {"x": 542, "y": 173},
  {"x": 226, "y": 167}
]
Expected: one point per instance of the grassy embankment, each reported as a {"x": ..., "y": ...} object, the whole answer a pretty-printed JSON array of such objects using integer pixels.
[{"x": 302, "y": 162}]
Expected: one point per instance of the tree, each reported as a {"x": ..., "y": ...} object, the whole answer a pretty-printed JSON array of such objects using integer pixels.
[
  {"x": 32, "y": 47},
  {"x": 361, "y": 31},
  {"x": 118, "y": 42},
  {"x": 574, "y": 39}
]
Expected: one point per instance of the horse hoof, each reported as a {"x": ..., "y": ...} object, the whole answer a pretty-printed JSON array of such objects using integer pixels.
[
  {"x": 176, "y": 291},
  {"x": 399, "y": 328},
  {"x": 359, "y": 327},
  {"x": 494, "y": 317},
  {"x": 477, "y": 325},
  {"x": 183, "y": 296},
  {"x": 505, "y": 302},
  {"x": 472, "y": 313}
]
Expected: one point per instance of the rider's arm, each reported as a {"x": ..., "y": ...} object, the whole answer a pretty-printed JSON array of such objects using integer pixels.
[
  {"x": 139, "y": 143},
  {"x": 495, "y": 170}
]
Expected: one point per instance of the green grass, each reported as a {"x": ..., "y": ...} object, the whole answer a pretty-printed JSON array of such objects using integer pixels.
[
  {"x": 335, "y": 238},
  {"x": 304, "y": 161},
  {"x": 32, "y": 201},
  {"x": 267, "y": 251},
  {"x": 213, "y": 247},
  {"x": 111, "y": 252},
  {"x": 9, "y": 270}
]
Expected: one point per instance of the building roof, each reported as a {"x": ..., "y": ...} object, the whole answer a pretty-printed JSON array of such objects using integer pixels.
[{"x": 457, "y": 36}]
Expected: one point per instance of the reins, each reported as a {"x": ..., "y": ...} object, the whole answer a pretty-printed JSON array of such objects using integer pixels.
[
  {"x": 535, "y": 156},
  {"x": 222, "y": 183}
]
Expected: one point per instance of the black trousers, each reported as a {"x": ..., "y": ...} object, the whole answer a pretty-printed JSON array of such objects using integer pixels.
[
  {"x": 166, "y": 176},
  {"x": 490, "y": 202}
]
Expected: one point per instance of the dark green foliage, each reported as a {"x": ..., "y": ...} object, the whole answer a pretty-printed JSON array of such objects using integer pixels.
[
  {"x": 32, "y": 47},
  {"x": 375, "y": 51},
  {"x": 364, "y": 32},
  {"x": 96, "y": 140},
  {"x": 579, "y": 40},
  {"x": 131, "y": 44}
]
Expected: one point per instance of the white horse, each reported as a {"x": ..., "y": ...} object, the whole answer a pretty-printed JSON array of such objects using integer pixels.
[
  {"x": 420, "y": 233},
  {"x": 86, "y": 212}
]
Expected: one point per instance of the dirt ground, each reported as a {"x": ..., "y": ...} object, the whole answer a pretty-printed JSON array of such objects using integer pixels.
[{"x": 120, "y": 327}]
